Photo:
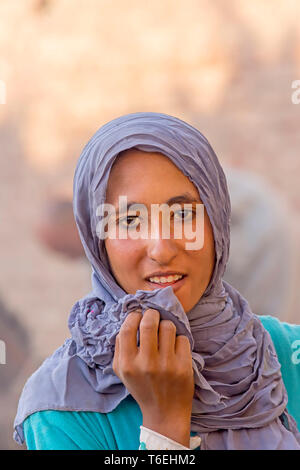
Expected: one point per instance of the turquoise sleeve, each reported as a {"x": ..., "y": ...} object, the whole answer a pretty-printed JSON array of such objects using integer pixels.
[
  {"x": 85, "y": 430},
  {"x": 63, "y": 430},
  {"x": 286, "y": 339}
]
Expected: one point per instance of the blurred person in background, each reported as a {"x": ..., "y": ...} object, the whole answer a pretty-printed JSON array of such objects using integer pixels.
[
  {"x": 263, "y": 253},
  {"x": 56, "y": 228},
  {"x": 17, "y": 351}
]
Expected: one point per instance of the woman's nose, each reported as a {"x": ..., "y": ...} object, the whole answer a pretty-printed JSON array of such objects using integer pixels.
[{"x": 162, "y": 250}]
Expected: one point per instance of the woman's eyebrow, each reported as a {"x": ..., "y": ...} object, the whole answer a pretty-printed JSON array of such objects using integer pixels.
[{"x": 185, "y": 197}]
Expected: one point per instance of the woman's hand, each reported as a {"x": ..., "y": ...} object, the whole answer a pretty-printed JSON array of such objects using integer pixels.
[{"x": 158, "y": 373}]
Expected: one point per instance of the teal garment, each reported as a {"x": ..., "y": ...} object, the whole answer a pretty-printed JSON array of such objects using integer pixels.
[
  {"x": 286, "y": 339},
  {"x": 120, "y": 429}
]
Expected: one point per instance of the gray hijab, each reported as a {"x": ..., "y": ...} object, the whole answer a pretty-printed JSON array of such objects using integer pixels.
[{"x": 239, "y": 400}]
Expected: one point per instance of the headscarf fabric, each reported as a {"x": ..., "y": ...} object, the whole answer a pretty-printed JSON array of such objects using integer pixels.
[{"x": 239, "y": 397}]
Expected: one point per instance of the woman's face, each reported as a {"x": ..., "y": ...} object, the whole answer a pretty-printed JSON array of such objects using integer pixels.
[{"x": 152, "y": 178}]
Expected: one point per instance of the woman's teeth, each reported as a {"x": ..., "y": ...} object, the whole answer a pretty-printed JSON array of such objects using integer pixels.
[{"x": 163, "y": 280}]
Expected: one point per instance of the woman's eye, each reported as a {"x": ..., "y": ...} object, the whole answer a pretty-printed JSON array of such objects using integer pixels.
[
  {"x": 183, "y": 217},
  {"x": 131, "y": 220}
]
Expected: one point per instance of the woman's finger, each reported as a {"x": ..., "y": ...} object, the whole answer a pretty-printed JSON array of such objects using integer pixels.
[
  {"x": 115, "y": 363},
  {"x": 167, "y": 338},
  {"x": 149, "y": 332},
  {"x": 127, "y": 347},
  {"x": 182, "y": 347}
]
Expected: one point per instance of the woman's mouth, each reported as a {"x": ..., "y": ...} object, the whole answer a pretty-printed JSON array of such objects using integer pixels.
[{"x": 164, "y": 281}]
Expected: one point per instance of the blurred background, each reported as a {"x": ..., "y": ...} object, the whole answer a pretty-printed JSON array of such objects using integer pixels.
[{"x": 66, "y": 68}]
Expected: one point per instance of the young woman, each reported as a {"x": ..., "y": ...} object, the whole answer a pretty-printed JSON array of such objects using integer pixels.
[{"x": 163, "y": 353}]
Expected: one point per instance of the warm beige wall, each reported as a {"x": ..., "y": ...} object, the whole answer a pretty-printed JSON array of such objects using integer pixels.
[{"x": 70, "y": 66}]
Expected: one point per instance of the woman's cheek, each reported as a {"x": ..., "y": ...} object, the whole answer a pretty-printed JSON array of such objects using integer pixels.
[{"x": 122, "y": 252}]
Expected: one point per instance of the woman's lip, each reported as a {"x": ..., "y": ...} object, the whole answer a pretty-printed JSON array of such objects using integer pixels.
[{"x": 175, "y": 284}]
